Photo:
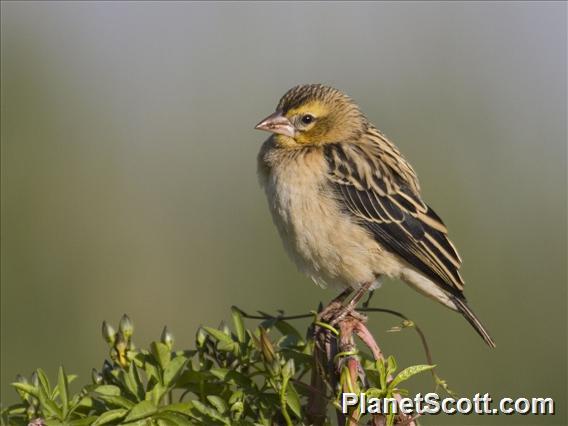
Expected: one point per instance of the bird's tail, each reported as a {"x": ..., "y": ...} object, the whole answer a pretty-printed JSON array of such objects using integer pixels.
[{"x": 473, "y": 320}]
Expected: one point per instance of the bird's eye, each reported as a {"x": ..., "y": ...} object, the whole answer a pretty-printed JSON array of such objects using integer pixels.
[{"x": 307, "y": 118}]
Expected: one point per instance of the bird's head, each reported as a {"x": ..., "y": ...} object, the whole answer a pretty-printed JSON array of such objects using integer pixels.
[{"x": 314, "y": 114}]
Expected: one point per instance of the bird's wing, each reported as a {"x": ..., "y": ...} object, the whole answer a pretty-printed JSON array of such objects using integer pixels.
[{"x": 374, "y": 184}]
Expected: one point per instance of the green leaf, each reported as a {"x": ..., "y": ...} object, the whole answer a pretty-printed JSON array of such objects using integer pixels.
[
  {"x": 191, "y": 376},
  {"x": 107, "y": 390},
  {"x": 268, "y": 323},
  {"x": 110, "y": 416},
  {"x": 141, "y": 411},
  {"x": 80, "y": 401},
  {"x": 218, "y": 403},
  {"x": 43, "y": 381},
  {"x": 116, "y": 400},
  {"x": 293, "y": 400},
  {"x": 155, "y": 395},
  {"x": 300, "y": 359},
  {"x": 237, "y": 410},
  {"x": 174, "y": 369},
  {"x": 51, "y": 422},
  {"x": 162, "y": 353},
  {"x": 391, "y": 365},
  {"x": 239, "y": 324},
  {"x": 179, "y": 407},
  {"x": 231, "y": 377},
  {"x": 132, "y": 381},
  {"x": 408, "y": 372},
  {"x": 288, "y": 330},
  {"x": 210, "y": 412},
  {"x": 14, "y": 410},
  {"x": 151, "y": 368},
  {"x": 382, "y": 369},
  {"x": 375, "y": 393},
  {"x": 220, "y": 373},
  {"x": 63, "y": 387},
  {"x": 237, "y": 395},
  {"x": 47, "y": 404},
  {"x": 225, "y": 342},
  {"x": 27, "y": 388},
  {"x": 85, "y": 421},
  {"x": 289, "y": 369},
  {"x": 172, "y": 419}
]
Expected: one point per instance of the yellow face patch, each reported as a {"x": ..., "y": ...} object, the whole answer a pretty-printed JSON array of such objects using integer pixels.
[
  {"x": 315, "y": 108},
  {"x": 309, "y": 133}
]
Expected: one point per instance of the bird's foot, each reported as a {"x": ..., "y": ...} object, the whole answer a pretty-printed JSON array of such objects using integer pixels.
[
  {"x": 336, "y": 312},
  {"x": 347, "y": 312},
  {"x": 329, "y": 312}
]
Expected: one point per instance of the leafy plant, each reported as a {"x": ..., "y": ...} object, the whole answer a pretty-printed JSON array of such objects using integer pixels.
[{"x": 232, "y": 377}]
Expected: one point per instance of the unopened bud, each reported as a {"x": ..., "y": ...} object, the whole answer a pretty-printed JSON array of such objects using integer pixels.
[
  {"x": 225, "y": 328},
  {"x": 266, "y": 346},
  {"x": 200, "y": 337},
  {"x": 126, "y": 327},
  {"x": 21, "y": 379},
  {"x": 96, "y": 377},
  {"x": 31, "y": 413},
  {"x": 109, "y": 334},
  {"x": 35, "y": 379},
  {"x": 167, "y": 338}
]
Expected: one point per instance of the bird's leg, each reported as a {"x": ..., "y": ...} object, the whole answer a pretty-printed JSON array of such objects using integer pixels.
[
  {"x": 366, "y": 302},
  {"x": 333, "y": 306},
  {"x": 349, "y": 308}
]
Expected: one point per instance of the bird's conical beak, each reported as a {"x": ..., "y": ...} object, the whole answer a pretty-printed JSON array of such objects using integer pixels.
[{"x": 277, "y": 123}]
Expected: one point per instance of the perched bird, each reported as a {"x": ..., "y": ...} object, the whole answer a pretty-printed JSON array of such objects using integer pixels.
[{"x": 347, "y": 204}]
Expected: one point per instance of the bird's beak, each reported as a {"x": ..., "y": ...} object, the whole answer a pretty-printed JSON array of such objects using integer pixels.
[{"x": 277, "y": 123}]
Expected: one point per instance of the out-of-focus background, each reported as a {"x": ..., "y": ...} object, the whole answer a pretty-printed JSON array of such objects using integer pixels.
[{"x": 129, "y": 173}]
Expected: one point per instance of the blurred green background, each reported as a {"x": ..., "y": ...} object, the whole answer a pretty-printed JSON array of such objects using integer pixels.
[{"x": 129, "y": 173}]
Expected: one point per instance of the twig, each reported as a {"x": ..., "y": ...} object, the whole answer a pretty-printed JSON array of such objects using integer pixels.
[
  {"x": 264, "y": 316},
  {"x": 414, "y": 325}
]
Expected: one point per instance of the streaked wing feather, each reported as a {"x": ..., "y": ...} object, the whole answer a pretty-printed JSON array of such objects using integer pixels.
[{"x": 389, "y": 206}]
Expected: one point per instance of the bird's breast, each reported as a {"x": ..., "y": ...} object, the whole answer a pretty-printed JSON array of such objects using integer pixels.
[{"x": 324, "y": 242}]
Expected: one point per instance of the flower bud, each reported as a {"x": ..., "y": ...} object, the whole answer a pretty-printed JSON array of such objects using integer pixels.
[
  {"x": 108, "y": 333},
  {"x": 126, "y": 327},
  {"x": 35, "y": 379},
  {"x": 96, "y": 377},
  {"x": 31, "y": 413},
  {"x": 21, "y": 379},
  {"x": 266, "y": 346},
  {"x": 225, "y": 328},
  {"x": 200, "y": 337},
  {"x": 167, "y": 338}
]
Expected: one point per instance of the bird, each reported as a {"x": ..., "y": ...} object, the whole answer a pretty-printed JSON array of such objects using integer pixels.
[{"x": 348, "y": 205}]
